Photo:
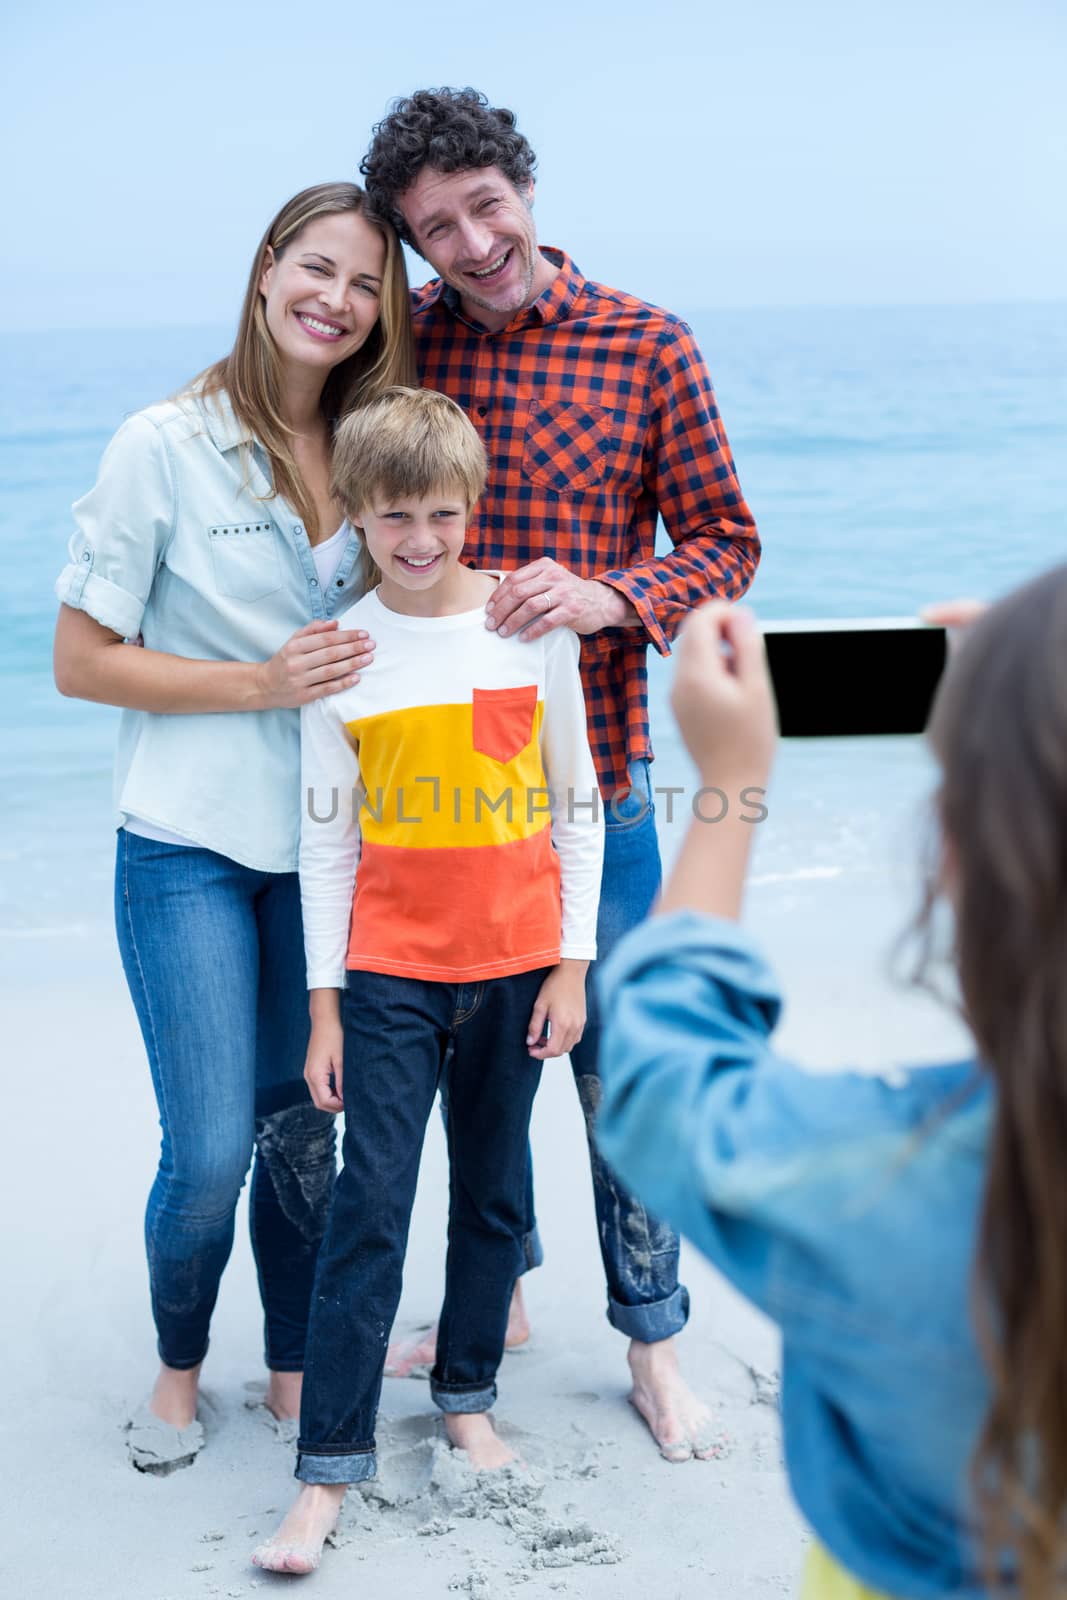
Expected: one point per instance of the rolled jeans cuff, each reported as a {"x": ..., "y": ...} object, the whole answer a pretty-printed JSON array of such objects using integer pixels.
[
  {"x": 458, "y": 1399},
  {"x": 532, "y": 1251},
  {"x": 653, "y": 1321},
  {"x": 181, "y": 1363},
  {"x": 353, "y": 1466}
]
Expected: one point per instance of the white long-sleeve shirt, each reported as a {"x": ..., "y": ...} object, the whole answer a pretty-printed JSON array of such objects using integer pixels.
[{"x": 451, "y": 822}]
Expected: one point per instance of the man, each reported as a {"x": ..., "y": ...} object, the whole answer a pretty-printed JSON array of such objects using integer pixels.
[{"x": 597, "y": 413}]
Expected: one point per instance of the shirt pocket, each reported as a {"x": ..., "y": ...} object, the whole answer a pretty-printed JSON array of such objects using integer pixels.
[
  {"x": 244, "y": 557},
  {"x": 502, "y": 721},
  {"x": 567, "y": 446}
]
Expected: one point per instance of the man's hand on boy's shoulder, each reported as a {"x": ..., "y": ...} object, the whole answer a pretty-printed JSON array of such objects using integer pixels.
[
  {"x": 544, "y": 595},
  {"x": 561, "y": 1004}
]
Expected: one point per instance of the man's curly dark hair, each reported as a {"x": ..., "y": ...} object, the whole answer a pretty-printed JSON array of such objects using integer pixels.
[{"x": 451, "y": 130}]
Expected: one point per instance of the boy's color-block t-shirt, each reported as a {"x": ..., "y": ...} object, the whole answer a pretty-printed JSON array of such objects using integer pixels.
[{"x": 451, "y": 825}]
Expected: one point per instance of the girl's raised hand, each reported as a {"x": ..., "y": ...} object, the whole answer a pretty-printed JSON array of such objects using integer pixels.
[
  {"x": 954, "y": 613},
  {"x": 319, "y": 659},
  {"x": 722, "y": 697}
]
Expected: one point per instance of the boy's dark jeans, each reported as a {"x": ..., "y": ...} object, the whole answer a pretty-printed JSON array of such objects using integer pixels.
[{"x": 397, "y": 1032}]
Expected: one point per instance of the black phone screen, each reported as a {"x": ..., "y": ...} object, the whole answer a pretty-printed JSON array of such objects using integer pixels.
[{"x": 840, "y": 679}]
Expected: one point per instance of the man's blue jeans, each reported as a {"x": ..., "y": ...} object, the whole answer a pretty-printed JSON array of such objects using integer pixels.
[
  {"x": 214, "y": 957},
  {"x": 397, "y": 1034},
  {"x": 640, "y": 1255}
]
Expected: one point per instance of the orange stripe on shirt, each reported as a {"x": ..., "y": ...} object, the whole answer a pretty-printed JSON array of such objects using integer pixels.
[{"x": 456, "y": 915}]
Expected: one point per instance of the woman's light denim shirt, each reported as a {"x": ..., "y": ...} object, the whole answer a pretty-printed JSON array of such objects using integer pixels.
[
  {"x": 176, "y": 543},
  {"x": 846, "y": 1207}
]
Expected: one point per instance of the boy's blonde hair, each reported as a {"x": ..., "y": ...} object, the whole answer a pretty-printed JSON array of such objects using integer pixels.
[{"x": 406, "y": 444}]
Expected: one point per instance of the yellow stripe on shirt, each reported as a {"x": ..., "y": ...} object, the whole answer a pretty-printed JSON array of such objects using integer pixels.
[{"x": 428, "y": 788}]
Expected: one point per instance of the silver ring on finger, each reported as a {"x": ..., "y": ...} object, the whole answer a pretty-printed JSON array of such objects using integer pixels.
[{"x": 549, "y": 602}]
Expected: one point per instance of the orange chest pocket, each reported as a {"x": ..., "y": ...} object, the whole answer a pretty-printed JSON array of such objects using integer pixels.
[{"x": 502, "y": 721}]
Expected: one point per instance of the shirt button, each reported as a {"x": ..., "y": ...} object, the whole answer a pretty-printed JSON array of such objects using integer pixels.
[
  {"x": 298, "y": 527},
  {"x": 483, "y": 411},
  {"x": 314, "y": 583},
  {"x": 87, "y": 555},
  {"x": 340, "y": 583}
]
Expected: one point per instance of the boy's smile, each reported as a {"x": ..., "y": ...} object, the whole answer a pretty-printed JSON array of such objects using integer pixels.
[
  {"x": 416, "y": 543},
  {"x": 418, "y": 564}
]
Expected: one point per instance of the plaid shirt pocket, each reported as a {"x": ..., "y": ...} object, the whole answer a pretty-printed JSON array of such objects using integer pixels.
[{"x": 567, "y": 445}]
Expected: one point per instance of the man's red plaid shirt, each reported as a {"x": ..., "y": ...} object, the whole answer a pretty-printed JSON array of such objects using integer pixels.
[{"x": 597, "y": 414}]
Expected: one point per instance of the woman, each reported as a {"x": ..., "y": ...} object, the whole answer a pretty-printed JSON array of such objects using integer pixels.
[{"x": 211, "y": 537}]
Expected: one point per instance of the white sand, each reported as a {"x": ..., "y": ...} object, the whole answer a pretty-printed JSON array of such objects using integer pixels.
[{"x": 602, "y": 1515}]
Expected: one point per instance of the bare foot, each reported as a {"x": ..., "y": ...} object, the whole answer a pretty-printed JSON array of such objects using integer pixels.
[
  {"x": 473, "y": 1432},
  {"x": 297, "y": 1545},
  {"x": 416, "y": 1354},
  {"x": 174, "y": 1396},
  {"x": 282, "y": 1398},
  {"x": 680, "y": 1423},
  {"x": 164, "y": 1435},
  {"x": 412, "y": 1356}
]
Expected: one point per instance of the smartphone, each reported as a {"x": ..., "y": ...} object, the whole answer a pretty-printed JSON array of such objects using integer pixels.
[{"x": 845, "y": 677}]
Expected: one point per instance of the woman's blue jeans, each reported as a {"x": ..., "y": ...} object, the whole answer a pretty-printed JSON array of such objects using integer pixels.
[{"x": 214, "y": 957}]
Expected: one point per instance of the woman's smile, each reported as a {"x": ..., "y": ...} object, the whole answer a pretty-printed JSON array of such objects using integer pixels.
[{"x": 319, "y": 328}]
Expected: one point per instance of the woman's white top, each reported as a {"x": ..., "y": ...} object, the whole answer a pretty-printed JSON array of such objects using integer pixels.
[
  {"x": 180, "y": 542},
  {"x": 327, "y": 556}
]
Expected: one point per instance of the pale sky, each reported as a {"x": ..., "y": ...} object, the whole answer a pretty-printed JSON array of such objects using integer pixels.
[{"x": 762, "y": 153}]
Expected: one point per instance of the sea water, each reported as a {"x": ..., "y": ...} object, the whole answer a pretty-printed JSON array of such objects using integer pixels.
[{"x": 891, "y": 457}]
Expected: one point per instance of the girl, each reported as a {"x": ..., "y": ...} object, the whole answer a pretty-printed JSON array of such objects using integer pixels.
[
  {"x": 907, "y": 1235},
  {"x": 211, "y": 536}
]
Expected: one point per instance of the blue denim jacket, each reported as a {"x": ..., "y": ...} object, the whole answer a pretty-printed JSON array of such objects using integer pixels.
[
  {"x": 845, "y": 1206},
  {"x": 180, "y": 541}
]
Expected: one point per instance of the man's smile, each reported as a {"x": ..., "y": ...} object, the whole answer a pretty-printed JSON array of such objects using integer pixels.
[{"x": 494, "y": 269}]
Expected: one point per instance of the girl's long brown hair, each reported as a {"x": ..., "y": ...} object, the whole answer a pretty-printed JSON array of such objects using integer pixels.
[
  {"x": 999, "y": 729},
  {"x": 251, "y": 373}
]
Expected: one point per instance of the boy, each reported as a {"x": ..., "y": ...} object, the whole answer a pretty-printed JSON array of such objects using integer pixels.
[{"x": 471, "y": 927}]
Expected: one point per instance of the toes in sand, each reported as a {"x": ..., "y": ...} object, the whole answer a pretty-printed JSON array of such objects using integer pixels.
[
  {"x": 161, "y": 1447},
  {"x": 297, "y": 1546},
  {"x": 473, "y": 1432},
  {"x": 414, "y": 1356},
  {"x": 680, "y": 1422}
]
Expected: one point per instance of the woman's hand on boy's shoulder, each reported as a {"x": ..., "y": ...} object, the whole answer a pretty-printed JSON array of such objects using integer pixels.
[
  {"x": 561, "y": 1004},
  {"x": 319, "y": 659}
]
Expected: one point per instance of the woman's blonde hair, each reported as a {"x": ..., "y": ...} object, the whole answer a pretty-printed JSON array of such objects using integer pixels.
[
  {"x": 406, "y": 443},
  {"x": 251, "y": 373}
]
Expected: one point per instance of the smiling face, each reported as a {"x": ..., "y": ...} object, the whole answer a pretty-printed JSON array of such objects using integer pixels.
[
  {"x": 416, "y": 543},
  {"x": 321, "y": 293},
  {"x": 477, "y": 232}
]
